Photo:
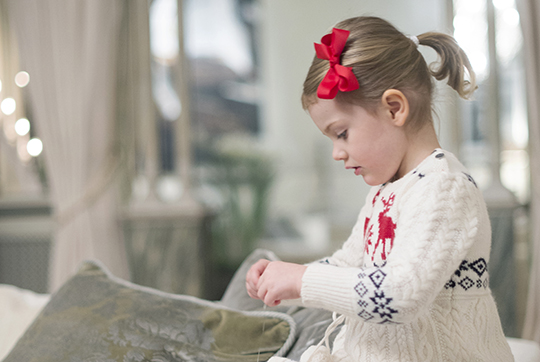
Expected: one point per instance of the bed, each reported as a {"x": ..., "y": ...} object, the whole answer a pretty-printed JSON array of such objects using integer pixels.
[{"x": 98, "y": 317}]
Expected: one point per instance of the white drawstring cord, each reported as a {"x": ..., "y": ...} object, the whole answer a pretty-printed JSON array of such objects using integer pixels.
[{"x": 331, "y": 328}]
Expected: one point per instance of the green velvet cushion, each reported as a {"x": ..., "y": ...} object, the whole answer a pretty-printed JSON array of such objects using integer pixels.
[{"x": 97, "y": 317}]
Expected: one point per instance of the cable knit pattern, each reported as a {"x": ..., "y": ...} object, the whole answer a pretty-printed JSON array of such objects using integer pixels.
[{"x": 412, "y": 278}]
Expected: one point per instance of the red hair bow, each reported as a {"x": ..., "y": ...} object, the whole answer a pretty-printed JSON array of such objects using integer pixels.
[{"x": 338, "y": 77}]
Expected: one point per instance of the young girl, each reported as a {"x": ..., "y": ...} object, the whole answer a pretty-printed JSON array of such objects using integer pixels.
[{"x": 411, "y": 282}]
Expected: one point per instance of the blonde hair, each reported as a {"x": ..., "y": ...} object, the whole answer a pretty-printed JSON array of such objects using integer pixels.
[{"x": 383, "y": 58}]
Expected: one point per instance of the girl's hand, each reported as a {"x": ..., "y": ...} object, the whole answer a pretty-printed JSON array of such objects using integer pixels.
[
  {"x": 253, "y": 275},
  {"x": 274, "y": 281}
]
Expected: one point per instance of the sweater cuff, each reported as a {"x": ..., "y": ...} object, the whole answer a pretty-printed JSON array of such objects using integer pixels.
[
  {"x": 329, "y": 287},
  {"x": 292, "y": 302}
]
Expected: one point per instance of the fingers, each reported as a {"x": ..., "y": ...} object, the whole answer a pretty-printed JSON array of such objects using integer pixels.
[
  {"x": 273, "y": 281},
  {"x": 253, "y": 276},
  {"x": 255, "y": 285},
  {"x": 269, "y": 288},
  {"x": 268, "y": 296},
  {"x": 251, "y": 292}
]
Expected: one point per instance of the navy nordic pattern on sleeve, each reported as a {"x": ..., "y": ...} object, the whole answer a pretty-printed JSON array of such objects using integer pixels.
[
  {"x": 376, "y": 307},
  {"x": 471, "y": 275}
]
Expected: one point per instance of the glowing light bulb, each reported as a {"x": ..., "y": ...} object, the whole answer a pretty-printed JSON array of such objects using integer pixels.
[
  {"x": 34, "y": 147},
  {"x": 22, "y": 79},
  {"x": 22, "y": 126},
  {"x": 8, "y": 106}
]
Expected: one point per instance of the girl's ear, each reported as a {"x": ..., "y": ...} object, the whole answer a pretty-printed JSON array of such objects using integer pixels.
[{"x": 396, "y": 105}]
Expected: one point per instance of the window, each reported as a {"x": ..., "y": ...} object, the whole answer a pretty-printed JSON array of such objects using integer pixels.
[{"x": 479, "y": 116}]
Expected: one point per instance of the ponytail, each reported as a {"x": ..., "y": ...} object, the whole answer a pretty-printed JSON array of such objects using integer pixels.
[{"x": 453, "y": 63}]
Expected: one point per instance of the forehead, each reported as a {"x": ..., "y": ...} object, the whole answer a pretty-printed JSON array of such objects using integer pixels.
[{"x": 324, "y": 112}]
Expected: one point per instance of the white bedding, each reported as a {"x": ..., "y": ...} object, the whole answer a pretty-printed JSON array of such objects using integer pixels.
[
  {"x": 524, "y": 350},
  {"x": 19, "y": 307}
]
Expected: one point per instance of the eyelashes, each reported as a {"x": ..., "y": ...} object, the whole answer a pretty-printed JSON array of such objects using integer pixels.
[{"x": 342, "y": 135}]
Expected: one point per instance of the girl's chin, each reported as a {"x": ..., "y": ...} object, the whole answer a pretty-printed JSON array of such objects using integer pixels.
[
  {"x": 373, "y": 181},
  {"x": 370, "y": 181}
]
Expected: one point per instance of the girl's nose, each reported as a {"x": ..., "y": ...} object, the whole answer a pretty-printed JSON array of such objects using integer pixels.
[{"x": 339, "y": 154}]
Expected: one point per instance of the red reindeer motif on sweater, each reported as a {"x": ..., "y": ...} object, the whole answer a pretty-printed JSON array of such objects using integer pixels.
[{"x": 386, "y": 232}]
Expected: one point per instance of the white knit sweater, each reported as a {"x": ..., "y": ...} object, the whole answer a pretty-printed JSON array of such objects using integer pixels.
[{"x": 412, "y": 278}]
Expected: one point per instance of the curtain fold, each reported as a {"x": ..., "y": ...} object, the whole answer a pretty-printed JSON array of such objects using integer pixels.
[
  {"x": 70, "y": 50},
  {"x": 530, "y": 15}
]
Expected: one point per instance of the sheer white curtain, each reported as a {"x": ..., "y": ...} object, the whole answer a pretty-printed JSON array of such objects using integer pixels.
[
  {"x": 530, "y": 16},
  {"x": 70, "y": 50}
]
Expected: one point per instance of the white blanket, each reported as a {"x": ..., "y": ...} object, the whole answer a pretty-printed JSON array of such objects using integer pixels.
[
  {"x": 18, "y": 308},
  {"x": 524, "y": 350}
]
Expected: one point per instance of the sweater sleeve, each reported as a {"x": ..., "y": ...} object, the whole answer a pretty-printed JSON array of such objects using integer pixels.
[{"x": 437, "y": 224}]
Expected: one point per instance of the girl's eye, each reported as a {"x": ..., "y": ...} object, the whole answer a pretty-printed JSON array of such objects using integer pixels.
[{"x": 342, "y": 135}]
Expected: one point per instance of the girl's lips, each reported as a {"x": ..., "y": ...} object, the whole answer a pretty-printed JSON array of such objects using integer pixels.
[{"x": 357, "y": 170}]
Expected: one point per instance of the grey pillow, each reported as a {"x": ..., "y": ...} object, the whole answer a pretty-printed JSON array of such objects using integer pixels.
[{"x": 98, "y": 317}]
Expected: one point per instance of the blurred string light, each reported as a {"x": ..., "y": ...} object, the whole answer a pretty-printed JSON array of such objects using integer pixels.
[
  {"x": 19, "y": 132},
  {"x": 22, "y": 79},
  {"x": 22, "y": 127},
  {"x": 8, "y": 106},
  {"x": 34, "y": 147}
]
